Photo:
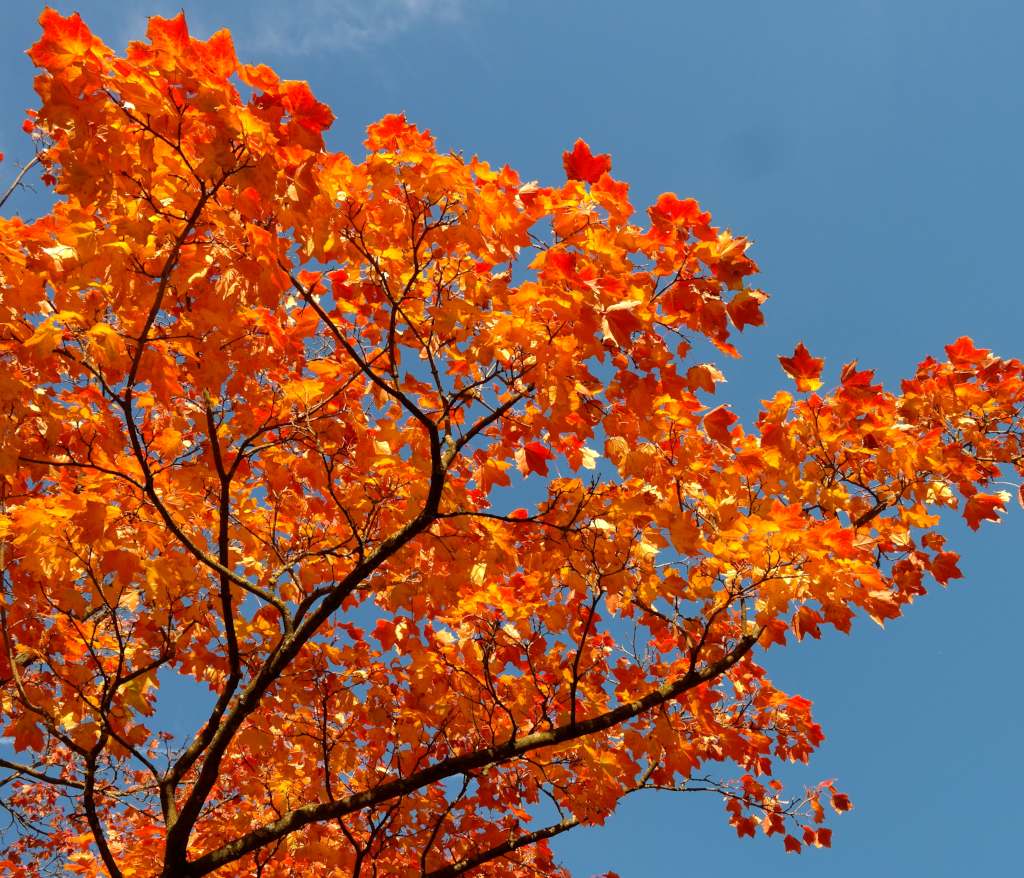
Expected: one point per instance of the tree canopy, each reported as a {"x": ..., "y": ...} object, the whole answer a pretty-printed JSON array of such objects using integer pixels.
[{"x": 414, "y": 469}]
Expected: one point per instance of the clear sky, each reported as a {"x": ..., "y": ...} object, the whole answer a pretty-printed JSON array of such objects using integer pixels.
[{"x": 873, "y": 150}]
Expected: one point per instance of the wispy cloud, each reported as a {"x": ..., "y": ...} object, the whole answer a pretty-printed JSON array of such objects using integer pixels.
[
  {"x": 307, "y": 26},
  {"x": 282, "y": 27}
]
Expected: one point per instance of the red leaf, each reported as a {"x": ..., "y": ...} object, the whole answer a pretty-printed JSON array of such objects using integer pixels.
[
  {"x": 745, "y": 308},
  {"x": 619, "y": 324},
  {"x": 536, "y": 457},
  {"x": 717, "y": 424},
  {"x": 852, "y": 378},
  {"x": 581, "y": 164},
  {"x": 298, "y": 100},
  {"x": 384, "y": 631},
  {"x": 803, "y": 368},
  {"x": 745, "y": 826},
  {"x": 792, "y": 845},
  {"x": 841, "y": 802},
  {"x": 943, "y": 567},
  {"x": 984, "y": 507}
]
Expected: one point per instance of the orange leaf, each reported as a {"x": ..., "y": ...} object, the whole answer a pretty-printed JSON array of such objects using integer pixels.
[
  {"x": 806, "y": 622},
  {"x": 745, "y": 308},
  {"x": 703, "y": 376},
  {"x": 395, "y": 133},
  {"x": 64, "y": 41},
  {"x": 170, "y": 34},
  {"x": 804, "y": 368},
  {"x": 44, "y": 339},
  {"x": 92, "y": 520}
]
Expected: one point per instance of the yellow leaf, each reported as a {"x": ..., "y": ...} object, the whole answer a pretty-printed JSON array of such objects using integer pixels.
[
  {"x": 44, "y": 340},
  {"x": 105, "y": 341}
]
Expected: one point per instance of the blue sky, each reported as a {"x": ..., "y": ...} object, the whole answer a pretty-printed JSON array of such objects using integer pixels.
[{"x": 873, "y": 152}]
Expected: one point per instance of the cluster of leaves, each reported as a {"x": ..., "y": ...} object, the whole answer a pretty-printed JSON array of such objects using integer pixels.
[{"x": 260, "y": 407}]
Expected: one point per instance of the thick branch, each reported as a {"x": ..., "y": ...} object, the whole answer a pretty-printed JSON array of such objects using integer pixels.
[
  {"x": 468, "y": 762},
  {"x": 91, "y": 813},
  {"x": 205, "y": 736},
  {"x": 36, "y": 774}
]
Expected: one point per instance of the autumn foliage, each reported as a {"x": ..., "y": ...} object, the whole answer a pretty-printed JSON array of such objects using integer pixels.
[{"x": 409, "y": 473}]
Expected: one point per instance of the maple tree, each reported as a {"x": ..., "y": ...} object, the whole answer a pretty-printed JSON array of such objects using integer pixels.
[{"x": 265, "y": 412}]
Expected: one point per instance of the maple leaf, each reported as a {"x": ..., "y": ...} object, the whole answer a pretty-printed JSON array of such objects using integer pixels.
[
  {"x": 64, "y": 41},
  {"x": 169, "y": 34},
  {"x": 704, "y": 376},
  {"x": 944, "y": 567},
  {"x": 581, "y": 164},
  {"x": 619, "y": 323},
  {"x": 533, "y": 457},
  {"x": 984, "y": 507},
  {"x": 44, "y": 339},
  {"x": 106, "y": 341},
  {"x": 745, "y": 308},
  {"x": 685, "y": 211},
  {"x": 963, "y": 352},
  {"x": 298, "y": 100},
  {"x": 718, "y": 423},
  {"x": 803, "y": 368},
  {"x": 394, "y": 132},
  {"x": 841, "y": 802}
]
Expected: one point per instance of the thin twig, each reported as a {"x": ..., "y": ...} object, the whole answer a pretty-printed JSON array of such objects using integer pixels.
[{"x": 17, "y": 180}]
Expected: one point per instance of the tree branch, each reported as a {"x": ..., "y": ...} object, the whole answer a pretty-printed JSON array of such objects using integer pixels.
[
  {"x": 36, "y": 774},
  {"x": 506, "y": 847},
  {"x": 488, "y": 756},
  {"x": 17, "y": 180}
]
